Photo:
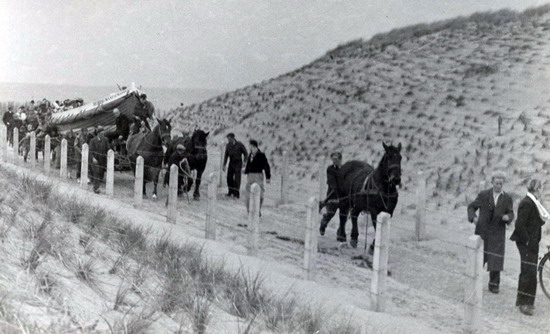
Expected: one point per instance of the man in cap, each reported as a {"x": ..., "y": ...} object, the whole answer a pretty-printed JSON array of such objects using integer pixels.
[
  {"x": 99, "y": 147},
  {"x": 144, "y": 110},
  {"x": 179, "y": 159},
  {"x": 332, "y": 201},
  {"x": 235, "y": 152}
]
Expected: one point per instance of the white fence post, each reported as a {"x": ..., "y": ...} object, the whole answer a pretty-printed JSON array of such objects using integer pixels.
[
  {"x": 380, "y": 263},
  {"x": 3, "y": 142},
  {"x": 15, "y": 146},
  {"x": 63, "y": 167},
  {"x": 210, "y": 229},
  {"x": 420, "y": 216},
  {"x": 310, "y": 242},
  {"x": 173, "y": 195},
  {"x": 110, "y": 179},
  {"x": 322, "y": 177},
  {"x": 138, "y": 185},
  {"x": 47, "y": 154},
  {"x": 6, "y": 143},
  {"x": 284, "y": 179},
  {"x": 222, "y": 152},
  {"x": 254, "y": 220},
  {"x": 473, "y": 290},
  {"x": 84, "y": 166},
  {"x": 32, "y": 150}
]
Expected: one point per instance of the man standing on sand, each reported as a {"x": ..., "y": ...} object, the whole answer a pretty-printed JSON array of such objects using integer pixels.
[
  {"x": 332, "y": 201},
  {"x": 495, "y": 212},
  {"x": 256, "y": 165},
  {"x": 234, "y": 152},
  {"x": 99, "y": 147},
  {"x": 7, "y": 118}
]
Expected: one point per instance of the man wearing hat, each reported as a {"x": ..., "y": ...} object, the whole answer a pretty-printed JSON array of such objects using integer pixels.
[
  {"x": 99, "y": 147},
  {"x": 332, "y": 201},
  {"x": 179, "y": 159},
  {"x": 256, "y": 166},
  {"x": 144, "y": 110},
  {"x": 235, "y": 152}
]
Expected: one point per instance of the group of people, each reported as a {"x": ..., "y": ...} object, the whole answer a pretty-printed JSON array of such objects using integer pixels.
[
  {"x": 492, "y": 211},
  {"x": 256, "y": 169},
  {"x": 496, "y": 211}
]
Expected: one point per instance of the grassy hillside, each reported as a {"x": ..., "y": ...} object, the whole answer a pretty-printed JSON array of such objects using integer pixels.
[{"x": 437, "y": 88}]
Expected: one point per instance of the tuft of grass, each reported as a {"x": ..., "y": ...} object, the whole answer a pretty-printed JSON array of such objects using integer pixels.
[
  {"x": 131, "y": 323},
  {"x": 279, "y": 314},
  {"x": 312, "y": 320},
  {"x": 84, "y": 271},
  {"x": 120, "y": 297},
  {"x": 198, "y": 307},
  {"x": 46, "y": 283},
  {"x": 244, "y": 292}
]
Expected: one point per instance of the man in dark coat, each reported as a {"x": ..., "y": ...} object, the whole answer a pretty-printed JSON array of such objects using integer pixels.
[
  {"x": 121, "y": 131},
  {"x": 144, "y": 110},
  {"x": 99, "y": 147},
  {"x": 495, "y": 212},
  {"x": 256, "y": 166},
  {"x": 7, "y": 118},
  {"x": 235, "y": 152},
  {"x": 527, "y": 235},
  {"x": 332, "y": 201}
]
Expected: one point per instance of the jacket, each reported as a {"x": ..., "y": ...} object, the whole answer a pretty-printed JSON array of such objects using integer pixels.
[
  {"x": 258, "y": 164},
  {"x": 235, "y": 153},
  {"x": 99, "y": 149},
  {"x": 528, "y": 224},
  {"x": 490, "y": 226}
]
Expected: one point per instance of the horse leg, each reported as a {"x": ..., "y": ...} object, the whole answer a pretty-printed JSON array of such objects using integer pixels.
[
  {"x": 196, "y": 193},
  {"x": 341, "y": 232},
  {"x": 354, "y": 229},
  {"x": 156, "y": 173}
]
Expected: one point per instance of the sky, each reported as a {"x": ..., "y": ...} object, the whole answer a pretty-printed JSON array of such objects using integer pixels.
[{"x": 215, "y": 44}]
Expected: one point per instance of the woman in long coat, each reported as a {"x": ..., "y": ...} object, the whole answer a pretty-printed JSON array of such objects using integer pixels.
[{"x": 491, "y": 226}]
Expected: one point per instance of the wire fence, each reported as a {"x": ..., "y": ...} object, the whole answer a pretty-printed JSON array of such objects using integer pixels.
[{"x": 289, "y": 223}]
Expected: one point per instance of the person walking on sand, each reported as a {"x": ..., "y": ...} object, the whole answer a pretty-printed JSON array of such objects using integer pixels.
[
  {"x": 234, "y": 152},
  {"x": 256, "y": 166},
  {"x": 99, "y": 147},
  {"x": 527, "y": 234},
  {"x": 332, "y": 201},
  {"x": 495, "y": 212}
]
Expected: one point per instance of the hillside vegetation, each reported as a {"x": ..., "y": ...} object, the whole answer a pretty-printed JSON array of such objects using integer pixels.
[{"x": 438, "y": 88}]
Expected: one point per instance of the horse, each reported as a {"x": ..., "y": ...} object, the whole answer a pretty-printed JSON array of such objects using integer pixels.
[
  {"x": 364, "y": 189},
  {"x": 150, "y": 147},
  {"x": 196, "y": 155}
]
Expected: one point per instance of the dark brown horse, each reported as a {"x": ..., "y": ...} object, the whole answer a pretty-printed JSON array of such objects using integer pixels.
[
  {"x": 196, "y": 155},
  {"x": 150, "y": 147},
  {"x": 365, "y": 189}
]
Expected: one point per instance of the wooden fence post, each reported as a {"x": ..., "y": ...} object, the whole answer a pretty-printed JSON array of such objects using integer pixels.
[
  {"x": 322, "y": 177},
  {"x": 32, "y": 150},
  {"x": 473, "y": 290},
  {"x": 138, "y": 185},
  {"x": 84, "y": 166},
  {"x": 210, "y": 229},
  {"x": 6, "y": 143},
  {"x": 3, "y": 142},
  {"x": 420, "y": 216},
  {"x": 15, "y": 146},
  {"x": 47, "y": 154},
  {"x": 173, "y": 195},
  {"x": 310, "y": 242},
  {"x": 110, "y": 179},
  {"x": 254, "y": 220},
  {"x": 284, "y": 179},
  {"x": 222, "y": 152},
  {"x": 63, "y": 166},
  {"x": 380, "y": 263}
]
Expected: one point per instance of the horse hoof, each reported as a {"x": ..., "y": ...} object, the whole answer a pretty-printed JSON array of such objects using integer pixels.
[
  {"x": 353, "y": 243},
  {"x": 154, "y": 197}
]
